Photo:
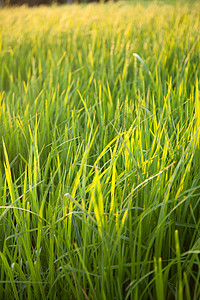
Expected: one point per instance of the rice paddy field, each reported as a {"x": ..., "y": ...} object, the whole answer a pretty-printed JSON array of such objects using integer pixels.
[{"x": 100, "y": 151}]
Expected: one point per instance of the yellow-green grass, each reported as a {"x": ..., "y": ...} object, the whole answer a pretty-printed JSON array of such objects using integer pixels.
[{"x": 99, "y": 147}]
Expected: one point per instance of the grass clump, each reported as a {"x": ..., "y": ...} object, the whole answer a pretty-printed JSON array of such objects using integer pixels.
[{"x": 100, "y": 157}]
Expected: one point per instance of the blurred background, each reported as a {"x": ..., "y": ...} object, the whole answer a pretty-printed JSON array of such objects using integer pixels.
[
  {"x": 50, "y": 2},
  {"x": 45, "y": 2}
]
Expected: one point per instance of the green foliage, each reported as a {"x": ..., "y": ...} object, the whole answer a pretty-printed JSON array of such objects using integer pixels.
[{"x": 100, "y": 157}]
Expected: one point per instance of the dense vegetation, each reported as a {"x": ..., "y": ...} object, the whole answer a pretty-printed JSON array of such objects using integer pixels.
[
  {"x": 100, "y": 152},
  {"x": 44, "y": 2}
]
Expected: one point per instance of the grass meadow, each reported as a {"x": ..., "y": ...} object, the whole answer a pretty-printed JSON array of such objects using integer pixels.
[{"x": 100, "y": 152}]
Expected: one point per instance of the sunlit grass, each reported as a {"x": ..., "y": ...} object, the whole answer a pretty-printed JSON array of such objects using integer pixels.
[{"x": 100, "y": 158}]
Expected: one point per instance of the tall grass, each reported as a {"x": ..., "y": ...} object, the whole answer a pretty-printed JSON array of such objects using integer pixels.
[{"x": 100, "y": 157}]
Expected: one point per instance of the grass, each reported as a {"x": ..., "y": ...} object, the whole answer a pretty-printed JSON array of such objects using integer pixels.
[{"x": 100, "y": 152}]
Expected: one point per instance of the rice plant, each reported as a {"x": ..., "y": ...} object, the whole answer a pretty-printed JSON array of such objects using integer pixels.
[{"x": 100, "y": 151}]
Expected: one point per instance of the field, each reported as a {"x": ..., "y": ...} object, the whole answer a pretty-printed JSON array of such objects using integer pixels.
[{"x": 100, "y": 152}]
